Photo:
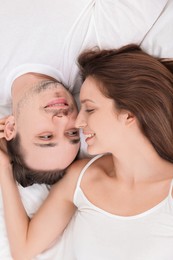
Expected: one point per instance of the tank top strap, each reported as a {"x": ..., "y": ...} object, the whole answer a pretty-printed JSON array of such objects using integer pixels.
[{"x": 86, "y": 167}]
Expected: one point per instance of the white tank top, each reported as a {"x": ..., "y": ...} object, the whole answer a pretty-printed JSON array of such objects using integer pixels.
[{"x": 99, "y": 235}]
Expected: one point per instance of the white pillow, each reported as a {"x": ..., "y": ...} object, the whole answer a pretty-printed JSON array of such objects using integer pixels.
[{"x": 159, "y": 40}]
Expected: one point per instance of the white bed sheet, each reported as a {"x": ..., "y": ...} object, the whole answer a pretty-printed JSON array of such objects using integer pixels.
[{"x": 158, "y": 41}]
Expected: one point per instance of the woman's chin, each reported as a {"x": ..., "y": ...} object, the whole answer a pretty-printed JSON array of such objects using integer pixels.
[{"x": 93, "y": 151}]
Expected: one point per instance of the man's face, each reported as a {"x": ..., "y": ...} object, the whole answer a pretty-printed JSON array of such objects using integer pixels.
[{"x": 45, "y": 120}]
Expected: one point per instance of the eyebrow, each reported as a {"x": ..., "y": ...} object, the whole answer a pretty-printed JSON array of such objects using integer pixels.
[
  {"x": 85, "y": 100},
  {"x": 74, "y": 141},
  {"x": 46, "y": 145}
]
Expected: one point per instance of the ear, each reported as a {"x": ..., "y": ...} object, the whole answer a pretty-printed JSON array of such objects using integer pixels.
[
  {"x": 130, "y": 118},
  {"x": 10, "y": 128}
]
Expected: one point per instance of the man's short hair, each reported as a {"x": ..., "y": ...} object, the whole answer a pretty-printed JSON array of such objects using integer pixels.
[{"x": 23, "y": 174}]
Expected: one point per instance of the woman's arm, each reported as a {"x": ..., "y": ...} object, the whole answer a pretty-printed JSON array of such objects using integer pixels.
[
  {"x": 2, "y": 135},
  {"x": 27, "y": 237}
]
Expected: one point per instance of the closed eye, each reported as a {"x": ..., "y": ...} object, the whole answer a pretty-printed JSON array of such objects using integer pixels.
[{"x": 89, "y": 110}]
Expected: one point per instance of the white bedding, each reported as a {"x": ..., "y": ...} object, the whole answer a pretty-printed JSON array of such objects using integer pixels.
[{"x": 157, "y": 41}]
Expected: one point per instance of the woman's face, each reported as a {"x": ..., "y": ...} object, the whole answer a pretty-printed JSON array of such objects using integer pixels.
[{"x": 101, "y": 123}]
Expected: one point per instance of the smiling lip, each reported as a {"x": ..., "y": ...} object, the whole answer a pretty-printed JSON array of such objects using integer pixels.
[
  {"x": 58, "y": 102},
  {"x": 88, "y": 137}
]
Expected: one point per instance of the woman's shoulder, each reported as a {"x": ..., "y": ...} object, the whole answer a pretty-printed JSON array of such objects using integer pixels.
[
  {"x": 67, "y": 185},
  {"x": 76, "y": 167},
  {"x": 91, "y": 167},
  {"x": 94, "y": 164},
  {"x": 94, "y": 168}
]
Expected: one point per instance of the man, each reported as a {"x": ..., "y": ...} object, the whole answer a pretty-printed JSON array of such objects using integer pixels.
[
  {"x": 41, "y": 134},
  {"x": 46, "y": 38}
]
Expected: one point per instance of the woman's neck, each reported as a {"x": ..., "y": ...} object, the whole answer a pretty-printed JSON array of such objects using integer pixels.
[{"x": 141, "y": 163}]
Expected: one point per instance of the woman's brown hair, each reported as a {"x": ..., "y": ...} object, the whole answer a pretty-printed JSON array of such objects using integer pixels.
[{"x": 138, "y": 83}]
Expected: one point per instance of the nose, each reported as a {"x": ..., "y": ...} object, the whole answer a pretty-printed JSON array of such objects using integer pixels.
[
  {"x": 60, "y": 117},
  {"x": 80, "y": 122},
  {"x": 61, "y": 113}
]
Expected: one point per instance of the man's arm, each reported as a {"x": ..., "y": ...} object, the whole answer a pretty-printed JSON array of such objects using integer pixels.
[{"x": 35, "y": 235}]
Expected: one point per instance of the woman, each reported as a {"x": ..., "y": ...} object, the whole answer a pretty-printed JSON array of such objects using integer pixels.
[{"x": 123, "y": 196}]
